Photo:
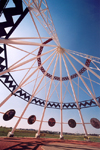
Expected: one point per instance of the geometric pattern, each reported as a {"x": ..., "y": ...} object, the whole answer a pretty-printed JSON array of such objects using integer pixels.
[
  {"x": 82, "y": 70},
  {"x": 9, "y": 81}
]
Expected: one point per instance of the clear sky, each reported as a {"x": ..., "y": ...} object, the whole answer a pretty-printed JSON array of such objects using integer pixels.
[{"x": 77, "y": 23}]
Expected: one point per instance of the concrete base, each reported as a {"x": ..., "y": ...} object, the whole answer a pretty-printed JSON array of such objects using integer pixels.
[
  {"x": 61, "y": 137},
  {"x": 86, "y": 138},
  {"x": 10, "y": 134},
  {"x": 37, "y": 136}
]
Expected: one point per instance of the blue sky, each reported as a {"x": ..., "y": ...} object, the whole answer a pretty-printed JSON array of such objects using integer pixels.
[{"x": 77, "y": 24}]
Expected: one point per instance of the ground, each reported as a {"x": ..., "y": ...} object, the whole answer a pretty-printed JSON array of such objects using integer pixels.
[{"x": 14, "y": 143}]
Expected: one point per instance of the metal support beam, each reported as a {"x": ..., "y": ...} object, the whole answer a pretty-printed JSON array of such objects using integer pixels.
[{"x": 75, "y": 96}]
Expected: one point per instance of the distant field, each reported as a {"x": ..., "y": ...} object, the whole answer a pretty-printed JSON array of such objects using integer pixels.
[{"x": 27, "y": 133}]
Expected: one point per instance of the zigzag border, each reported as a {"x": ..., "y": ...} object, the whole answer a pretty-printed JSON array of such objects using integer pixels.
[{"x": 11, "y": 84}]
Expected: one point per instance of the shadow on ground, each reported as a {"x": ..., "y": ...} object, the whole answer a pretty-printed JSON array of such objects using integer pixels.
[{"x": 14, "y": 143}]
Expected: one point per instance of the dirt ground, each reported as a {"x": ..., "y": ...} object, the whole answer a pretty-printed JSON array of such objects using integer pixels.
[{"x": 14, "y": 143}]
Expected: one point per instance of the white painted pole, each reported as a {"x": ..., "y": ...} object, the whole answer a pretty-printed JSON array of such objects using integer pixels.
[
  {"x": 75, "y": 97},
  {"x": 47, "y": 98},
  {"x": 21, "y": 84},
  {"x": 61, "y": 134},
  {"x": 12, "y": 132},
  {"x": 84, "y": 65},
  {"x": 35, "y": 25},
  {"x": 21, "y": 38},
  {"x": 8, "y": 41},
  {"x": 33, "y": 94},
  {"x": 84, "y": 82},
  {"x": 9, "y": 96},
  {"x": 23, "y": 63}
]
